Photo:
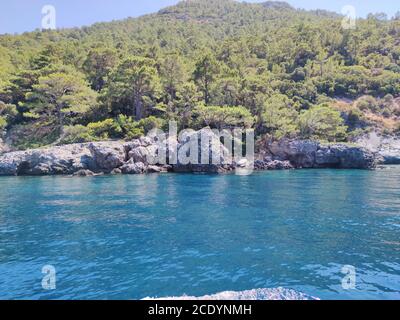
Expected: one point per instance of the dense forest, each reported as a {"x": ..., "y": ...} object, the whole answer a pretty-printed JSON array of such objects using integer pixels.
[{"x": 220, "y": 63}]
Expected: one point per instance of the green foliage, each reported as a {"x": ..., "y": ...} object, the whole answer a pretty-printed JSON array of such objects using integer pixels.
[
  {"x": 206, "y": 70},
  {"x": 76, "y": 134},
  {"x": 3, "y": 123},
  {"x": 133, "y": 86},
  {"x": 59, "y": 98},
  {"x": 98, "y": 66},
  {"x": 223, "y": 117},
  {"x": 151, "y": 123},
  {"x": 104, "y": 129},
  {"x": 264, "y": 65},
  {"x": 279, "y": 118},
  {"x": 322, "y": 122}
]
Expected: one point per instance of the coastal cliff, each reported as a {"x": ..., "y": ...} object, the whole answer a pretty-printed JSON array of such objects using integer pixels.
[{"x": 121, "y": 157}]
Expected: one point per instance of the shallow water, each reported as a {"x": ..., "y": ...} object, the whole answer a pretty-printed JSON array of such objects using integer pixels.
[{"x": 130, "y": 237}]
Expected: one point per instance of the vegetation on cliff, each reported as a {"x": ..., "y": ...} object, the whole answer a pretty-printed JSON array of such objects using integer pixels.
[{"x": 220, "y": 63}]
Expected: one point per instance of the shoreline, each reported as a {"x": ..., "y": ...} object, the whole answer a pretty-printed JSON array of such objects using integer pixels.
[{"x": 131, "y": 157}]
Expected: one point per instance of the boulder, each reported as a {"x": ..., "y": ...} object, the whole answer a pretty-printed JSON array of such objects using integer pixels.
[
  {"x": 139, "y": 154},
  {"x": 154, "y": 169},
  {"x": 84, "y": 173},
  {"x": 301, "y": 153},
  {"x": 108, "y": 155},
  {"x": 116, "y": 171},
  {"x": 212, "y": 156},
  {"x": 131, "y": 167}
]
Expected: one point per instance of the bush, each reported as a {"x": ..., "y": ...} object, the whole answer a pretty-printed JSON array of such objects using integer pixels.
[
  {"x": 279, "y": 117},
  {"x": 150, "y": 123},
  {"x": 129, "y": 127},
  {"x": 355, "y": 118},
  {"x": 105, "y": 129},
  {"x": 76, "y": 134},
  {"x": 322, "y": 123},
  {"x": 3, "y": 123},
  {"x": 367, "y": 103},
  {"x": 223, "y": 117}
]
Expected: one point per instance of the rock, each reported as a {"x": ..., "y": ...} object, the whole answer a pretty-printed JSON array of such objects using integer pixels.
[
  {"x": 154, "y": 169},
  {"x": 84, "y": 173},
  {"x": 387, "y": 148},
  {"x": 146, "y": 141},
  {"x": 131, "y": 167},
  {"x": 301, "y": 153},
  {"x": 108, "y": 155},
  {"x": 139, "y": 154},
  {"x": 116, "y": 171},
  {"x": 344, "y": 157},
  {"x": 279, "y": 165},
  {"x": 132, "y": 145},
  {"x": 212, "y": 157},
  {"x": 4, "y": 147},
  {"x": 55, "y": 160},
  {"x": 269, "y": 164},
  {"x": 311, "y": 154},
  {"x": 243, "y": 163},
  {"x": 40, "y": 170}
]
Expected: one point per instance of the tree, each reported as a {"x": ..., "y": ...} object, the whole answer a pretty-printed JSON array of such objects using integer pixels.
[
  {"x": 172, "y": 76},
  {"x": 59, "y": 98},
  {"x": 98, "y": 65},
  {"x": 322, "y": 122},
  {"x": 278, "y": 117},
  {"x": 223, "y": 117},
  {"x": 206, "y": 71},
  {"x": 134, "y": 87}
]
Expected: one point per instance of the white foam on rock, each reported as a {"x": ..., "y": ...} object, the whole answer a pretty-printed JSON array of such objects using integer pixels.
[{"x": 255, "y": 294}]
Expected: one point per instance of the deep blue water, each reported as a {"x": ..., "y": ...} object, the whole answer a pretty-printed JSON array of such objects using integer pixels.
[{"x": 130, "y": 237}]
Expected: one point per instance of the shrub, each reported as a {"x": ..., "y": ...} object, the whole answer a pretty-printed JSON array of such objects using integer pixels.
[
  {"x": 150, "y": 123},
  {"x": 367, "y": 103},
  {"x": 76, "y": 134},
  {"x": 223, "y": 117},
  {"x": 3, "y": 123},
  {"x": 128, "y": 127},
  {"x": 322, "y": 123},
  {"x": 105, "y": 129}
]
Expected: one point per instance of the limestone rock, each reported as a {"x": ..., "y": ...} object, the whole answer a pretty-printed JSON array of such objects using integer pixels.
[
  {"x": 131, "y": 167},
  {"x": 108, "y": 155}
]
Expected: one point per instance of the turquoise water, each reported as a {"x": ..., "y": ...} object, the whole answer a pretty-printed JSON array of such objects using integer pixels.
[{"x": 130, "y": 237}]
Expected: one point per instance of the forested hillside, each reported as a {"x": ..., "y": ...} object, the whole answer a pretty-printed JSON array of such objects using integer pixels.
[{"x": 218, "y": 63}]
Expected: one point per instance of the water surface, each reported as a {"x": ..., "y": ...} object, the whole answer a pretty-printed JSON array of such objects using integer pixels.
[{"x": 130, "y": 237}]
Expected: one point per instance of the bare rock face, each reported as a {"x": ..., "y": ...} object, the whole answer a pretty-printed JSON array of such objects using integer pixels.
[
  {"x": 108, "y": 155},
  {"x": 312, "y": 154},
  {"x": 301, "y": 153},
  {"x": 136, "y": 157},
  {"x": 212, "y": 156},
  {"x": 386, "y": 147},
  {"x": 139, "y": 154},
  {"x": 132, "y": 167},
  {"x": 55, "y": 160},
  {"x": 344, "y": 157}
]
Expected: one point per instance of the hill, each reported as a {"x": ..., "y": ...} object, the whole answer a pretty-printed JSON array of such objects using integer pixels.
[{"x": 286, "y": 72}]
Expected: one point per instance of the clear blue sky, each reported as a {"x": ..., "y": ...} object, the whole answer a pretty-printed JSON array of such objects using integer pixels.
[{"x": 17, "y": 16}]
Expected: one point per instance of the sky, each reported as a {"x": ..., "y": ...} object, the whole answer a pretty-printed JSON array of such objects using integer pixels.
[{"x": 17, "y": 16}]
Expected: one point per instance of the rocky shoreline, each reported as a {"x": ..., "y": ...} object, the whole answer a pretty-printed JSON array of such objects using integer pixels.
[{"x": 121, "y": 157}]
